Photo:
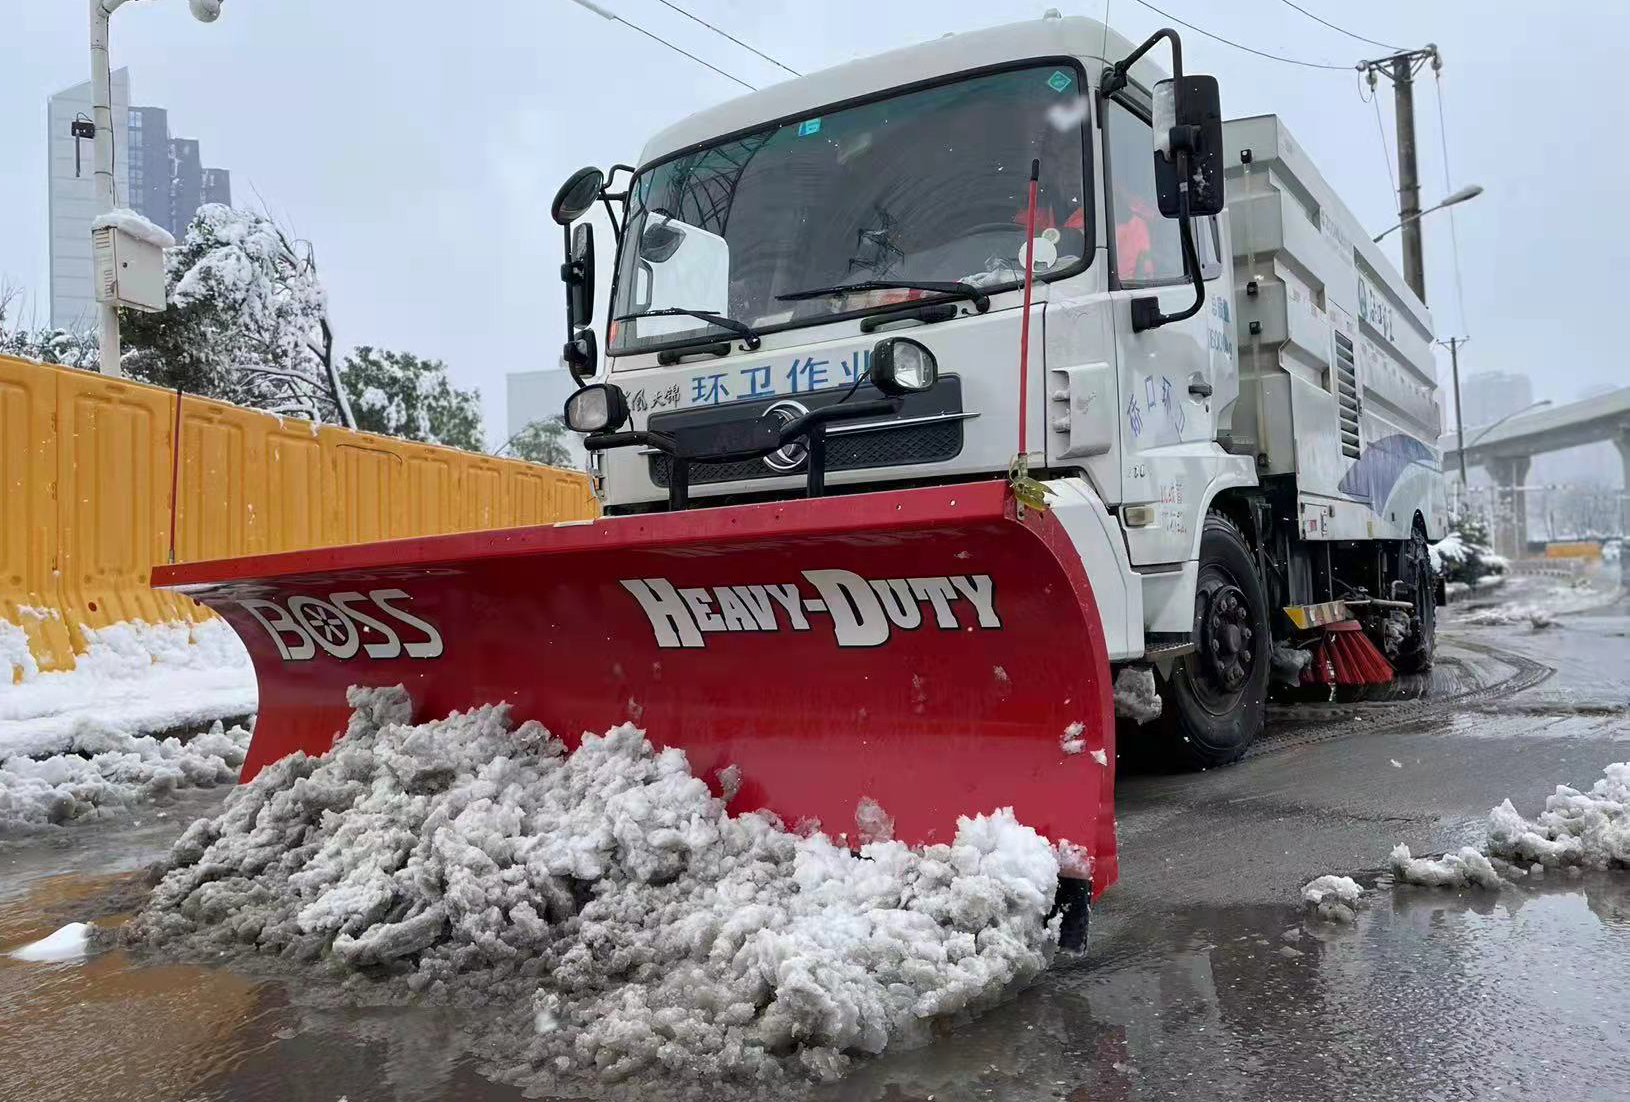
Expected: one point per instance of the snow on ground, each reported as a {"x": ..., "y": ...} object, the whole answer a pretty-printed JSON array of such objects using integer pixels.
[
  {"x": 133, "y": 677},
  {"x": 99, "y": 769},
  {"x": 76, "y": 743},
  {"x": 602, "y": 900},
  {"x": 1540, "y": 609},
  {"x": 1135, "y": 695},
  {"x": 68, "y": 943},
  {"x": 1583, "y": 830}
]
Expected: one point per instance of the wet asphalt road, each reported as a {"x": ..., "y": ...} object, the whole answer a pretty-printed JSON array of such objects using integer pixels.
[{"x": 1203, "y": 980}]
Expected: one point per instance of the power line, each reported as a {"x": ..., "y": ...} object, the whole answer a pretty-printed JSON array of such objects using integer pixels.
[
  {"x": 1386, "y": 151},
  {"x": 1454, "y": 237},
  {"x": 1342, "y": 30},
  {"x": 1240, "y": 45},
  {"x": 604, "y": 13},
  {"x": 731, "y": 37}
]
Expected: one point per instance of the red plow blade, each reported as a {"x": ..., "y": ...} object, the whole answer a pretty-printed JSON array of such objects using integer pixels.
[{"x": 925, "y": 648}]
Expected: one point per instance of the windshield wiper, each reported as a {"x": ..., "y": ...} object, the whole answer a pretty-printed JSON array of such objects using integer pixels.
[
  {"x": 959, "y": 288},
  {"x": 748, "y": 338}
]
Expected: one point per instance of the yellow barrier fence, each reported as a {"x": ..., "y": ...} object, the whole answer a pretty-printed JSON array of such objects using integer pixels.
[
  {"x": 85, "y": 476},
  {"x": 1574, "y": 549}
]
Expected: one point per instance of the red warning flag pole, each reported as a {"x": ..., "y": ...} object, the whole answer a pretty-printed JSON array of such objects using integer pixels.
[{"x": 1024, "y": 317}]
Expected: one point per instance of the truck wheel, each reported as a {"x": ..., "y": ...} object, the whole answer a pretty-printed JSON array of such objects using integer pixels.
[
  {"x": 1217, "y": 694},
  {"x": 1415, "y": 569}
]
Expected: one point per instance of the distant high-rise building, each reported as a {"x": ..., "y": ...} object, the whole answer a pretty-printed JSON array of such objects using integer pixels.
[
  {"x": 161, "y": 178},
  {"x": 186, "y": 180},
  {"x": 1491, "y": 395},
  {"x": 218, "y": 186},
  {"x": 147, "y": 159},
  {"x": 71, "y": 171}
]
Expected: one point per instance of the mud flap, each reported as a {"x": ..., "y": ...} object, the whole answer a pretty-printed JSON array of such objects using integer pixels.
[{"x": 925, "y": 648}]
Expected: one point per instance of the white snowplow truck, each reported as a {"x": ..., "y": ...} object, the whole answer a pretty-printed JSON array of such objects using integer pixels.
[{"x": 1208, "y": 375}]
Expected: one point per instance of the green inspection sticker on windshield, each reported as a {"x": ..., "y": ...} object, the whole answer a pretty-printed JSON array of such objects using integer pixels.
[
  {"x": 1059, "y": 81},
  {"x": 808, "y": 127}
]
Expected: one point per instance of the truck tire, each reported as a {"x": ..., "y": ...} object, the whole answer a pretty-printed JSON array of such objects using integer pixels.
[
  {"x": 1415, "y": 570},
  {"x": 1217, "y": 695}
]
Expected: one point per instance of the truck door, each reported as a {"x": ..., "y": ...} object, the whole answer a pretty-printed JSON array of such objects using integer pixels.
[{"x": 1165, "y": 374}]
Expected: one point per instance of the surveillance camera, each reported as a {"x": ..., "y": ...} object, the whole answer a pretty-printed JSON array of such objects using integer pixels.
[{"x": 206, "y": 11}]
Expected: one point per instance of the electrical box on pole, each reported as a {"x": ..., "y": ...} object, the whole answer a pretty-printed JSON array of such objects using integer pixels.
[{"x": 129, "y": 269}]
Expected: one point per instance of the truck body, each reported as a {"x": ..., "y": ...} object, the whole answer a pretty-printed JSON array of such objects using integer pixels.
[{"x": 1306, "y": 377}]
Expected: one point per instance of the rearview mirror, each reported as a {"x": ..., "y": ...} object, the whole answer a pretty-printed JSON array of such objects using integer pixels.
[
  {"x": 580, "y": 192},
  {"x": 1188, "y": 128},
  {"x": 579, "y": 276}
]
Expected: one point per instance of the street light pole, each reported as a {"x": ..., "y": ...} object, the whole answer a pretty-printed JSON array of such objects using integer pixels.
[
  {"x": 1470, "y": 192},
  {"x": 102, "y": 11},
  {"x": 106, "y": 199}
]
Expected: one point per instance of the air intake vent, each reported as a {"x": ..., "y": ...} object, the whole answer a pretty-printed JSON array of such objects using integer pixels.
[{"x": 1347, "y": 395}]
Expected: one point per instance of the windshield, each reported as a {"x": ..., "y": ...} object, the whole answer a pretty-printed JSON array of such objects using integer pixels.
[{"x": 924, "y": 186}]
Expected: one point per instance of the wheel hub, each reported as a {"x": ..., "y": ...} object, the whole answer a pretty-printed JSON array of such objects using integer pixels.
[{"x": 1226, "y": 638}]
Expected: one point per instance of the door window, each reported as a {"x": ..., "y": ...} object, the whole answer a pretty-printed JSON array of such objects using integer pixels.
[{"x": 1148, "y": 247}]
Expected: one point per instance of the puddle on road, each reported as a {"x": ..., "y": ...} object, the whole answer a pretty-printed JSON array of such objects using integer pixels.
[
  {"x": 111, "y": 1026},
  {"x": 1431, "y": 994}
]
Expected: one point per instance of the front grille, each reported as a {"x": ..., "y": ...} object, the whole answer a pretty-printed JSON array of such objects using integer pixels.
[
  {"x": 925, "y": 442},
  {"x": 931, "y": 443}
]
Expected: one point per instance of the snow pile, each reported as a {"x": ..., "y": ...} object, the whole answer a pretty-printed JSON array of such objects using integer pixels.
[
  {"x": 16, "y": 660},
  {"x": 101, "y": 768},
  {"x": 128, "y": 222},
  {"x": 1468, "y": 868},
  {"x": 1287, "y": 663},
  {"x": 134, "y": 677},
  {"x": 1577, "y": 829},
  {"x": 1135, "y": 696},
  {"x": 67, "y": 943},
  {"x": 1332, "y": 898},
  {"x": 604, "y": 899}
]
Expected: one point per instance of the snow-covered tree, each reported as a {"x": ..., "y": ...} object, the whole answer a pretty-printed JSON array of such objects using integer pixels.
[
  {"x": 1465, "y": 554},
  {"x": 542, "y": 441},
  {"x": 247, "y": 320},
  {"x": 52, "y": 346},
  {"x": 400, "y": 394}
]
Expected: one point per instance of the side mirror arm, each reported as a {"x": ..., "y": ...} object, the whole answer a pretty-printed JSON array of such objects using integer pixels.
[{"x": 1146, "y": 311}]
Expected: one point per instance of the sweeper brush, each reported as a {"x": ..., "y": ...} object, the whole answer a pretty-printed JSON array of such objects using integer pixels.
[
  {"x": 1344, "y": 655},
  {"x": 932, "y": 649}
]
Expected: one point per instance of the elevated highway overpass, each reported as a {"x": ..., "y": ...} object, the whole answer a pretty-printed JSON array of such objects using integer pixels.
[{"x": 1508, "y": 448}]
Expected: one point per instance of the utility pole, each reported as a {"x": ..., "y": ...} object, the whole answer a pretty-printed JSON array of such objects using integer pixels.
[
  {"x": 1400, "y": 68},
  {"x": 1454, "y": 344},
  {"x": 1409, "y": 181}
]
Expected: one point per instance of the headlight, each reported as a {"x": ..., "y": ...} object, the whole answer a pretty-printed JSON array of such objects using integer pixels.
[
  {"x": 901, "y": 365},
  {"x": 597, "y": 408}
]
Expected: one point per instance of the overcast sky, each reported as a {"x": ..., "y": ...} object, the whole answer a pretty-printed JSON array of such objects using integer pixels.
[{"x": 417, "y": 144}]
